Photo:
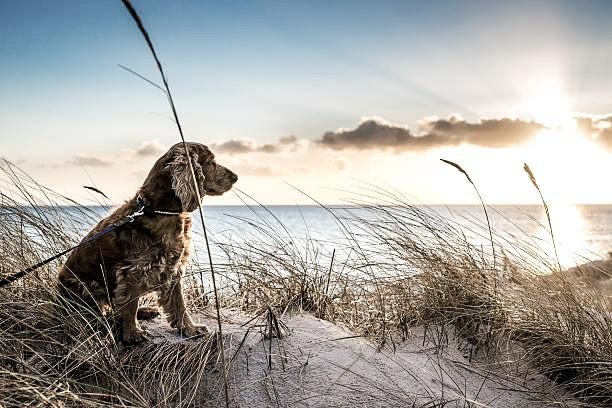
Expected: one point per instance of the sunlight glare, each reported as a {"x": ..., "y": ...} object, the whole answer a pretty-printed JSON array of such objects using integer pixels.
[
  {"x": 569, "y": 232},
  {"x": 549, "y": 105},
  {"x": 565, "y": 163}
]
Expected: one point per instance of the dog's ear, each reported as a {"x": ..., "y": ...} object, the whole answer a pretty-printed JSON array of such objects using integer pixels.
[{"x": 182, "y": 180}]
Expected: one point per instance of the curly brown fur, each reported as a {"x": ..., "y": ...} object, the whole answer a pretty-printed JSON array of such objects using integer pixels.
[{"x": 150, "y": 254}]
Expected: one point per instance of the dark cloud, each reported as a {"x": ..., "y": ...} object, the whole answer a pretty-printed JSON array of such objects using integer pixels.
[
  {"x": 241, "y": 146},
  {"x": 502, "y": 132},
  {"x": 233, "y": 146},
  {"x": 91, "y": 161},
  {"x": 597, "y": 127},
  {"x": 150, "y": 148},
  {"x": 288, "y": 140},
  {"x": 375, "y": 133}
]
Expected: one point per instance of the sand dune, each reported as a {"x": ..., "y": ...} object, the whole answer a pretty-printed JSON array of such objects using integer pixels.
[{"x": 319, "y": 364}]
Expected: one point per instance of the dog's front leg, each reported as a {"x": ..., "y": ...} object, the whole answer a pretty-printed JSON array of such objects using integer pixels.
[
  {"x": 131, "y": 331},
  {"x": 170, "y": 297},
  {"x": 127, "y": 307}
]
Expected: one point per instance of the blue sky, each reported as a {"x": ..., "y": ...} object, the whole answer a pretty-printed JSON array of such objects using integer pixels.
[{"x": 260, "y": 71}]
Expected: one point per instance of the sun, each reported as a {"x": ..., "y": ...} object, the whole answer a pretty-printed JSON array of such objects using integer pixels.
[
  {"x": 547, "y": 104},
  {"x": 559, "y": 149}
]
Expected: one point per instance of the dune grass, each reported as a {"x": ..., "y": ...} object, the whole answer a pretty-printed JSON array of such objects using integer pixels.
[
  {"x": 405, "y": 266},
  {"x": 400, "y": 267}
]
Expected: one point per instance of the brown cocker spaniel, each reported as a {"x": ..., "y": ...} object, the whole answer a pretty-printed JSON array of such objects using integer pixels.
[{"x": 149, "y": 254}]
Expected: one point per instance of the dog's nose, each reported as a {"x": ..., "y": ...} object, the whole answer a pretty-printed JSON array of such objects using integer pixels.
[{"x": 234, "y": 178}]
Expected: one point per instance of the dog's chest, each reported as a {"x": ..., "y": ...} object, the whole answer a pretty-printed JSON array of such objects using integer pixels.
[
  {"x": 172, "y": 239},
  {"x": 177, "y": 243}
]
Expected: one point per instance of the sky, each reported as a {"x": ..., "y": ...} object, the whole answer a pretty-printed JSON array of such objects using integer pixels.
[{"x": 324, "y": 98}]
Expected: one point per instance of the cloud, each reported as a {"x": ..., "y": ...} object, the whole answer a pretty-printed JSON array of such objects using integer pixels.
[
  {"x": 242, "y": 146},
  {"x": 288, "y": 140},
  {"x": 283, "y": 166},
  {"x": 146, "y": 149},
  {"x": 236, "y": 146},
  {"x": 598, "y": 128},
  {"x": 501, "y": 132},
  {"x": 150, "y": 148},
  {"x": 77, "y": 160},
  {"x": 248, "y": 169},
  {"x": 91, "y": 161},
  {"x": 5, "y": 164},
  {"x": 376, "y": 133}
]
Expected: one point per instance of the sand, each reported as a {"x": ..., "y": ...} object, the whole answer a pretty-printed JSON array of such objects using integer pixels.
[{"x": 319, "y": 364}]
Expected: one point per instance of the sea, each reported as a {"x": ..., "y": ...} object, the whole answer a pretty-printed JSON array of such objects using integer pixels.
[{"x": 581, "y": 232}]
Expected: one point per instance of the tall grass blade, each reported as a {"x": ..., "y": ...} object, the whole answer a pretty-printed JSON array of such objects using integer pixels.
[
  {"x": 145, "y": 34},
  {"x": 537, "y": 187},
  {"x": 484, "y": 207}
]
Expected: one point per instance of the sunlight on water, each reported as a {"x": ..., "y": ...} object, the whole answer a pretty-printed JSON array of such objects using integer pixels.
[{"x": 570, "y": 234}]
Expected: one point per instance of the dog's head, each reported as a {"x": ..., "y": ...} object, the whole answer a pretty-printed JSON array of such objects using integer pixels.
[{"x": 172, "y": 173}]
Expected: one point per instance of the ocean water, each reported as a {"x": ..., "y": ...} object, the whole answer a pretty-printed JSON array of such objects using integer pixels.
[{"x": 582, "y": 232}]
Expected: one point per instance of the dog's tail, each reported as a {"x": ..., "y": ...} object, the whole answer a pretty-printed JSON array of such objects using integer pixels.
[{"x": 147, "y": 313}]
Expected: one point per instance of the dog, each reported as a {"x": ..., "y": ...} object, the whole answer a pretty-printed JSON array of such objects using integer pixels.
[{"x": 149, "y": 254}]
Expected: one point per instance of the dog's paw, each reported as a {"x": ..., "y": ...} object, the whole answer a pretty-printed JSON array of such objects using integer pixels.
[
  {"x": 136, "y": 337},
  {"x": 194, "y": 330}
]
